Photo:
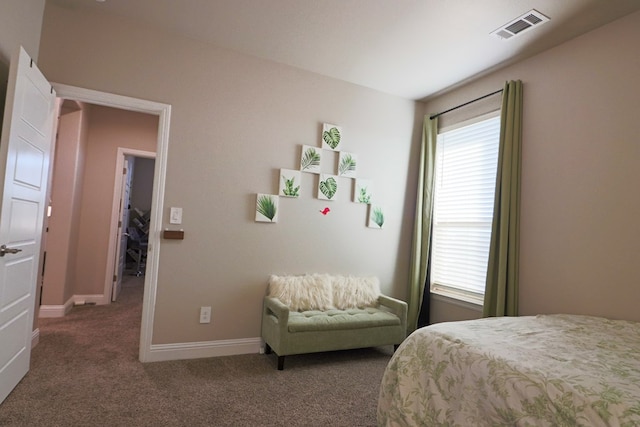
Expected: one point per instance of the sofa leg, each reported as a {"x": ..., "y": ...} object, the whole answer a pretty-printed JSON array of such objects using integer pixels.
[
  {"x": 280, "y": 363},
  {"x": 267, "y": 348}
]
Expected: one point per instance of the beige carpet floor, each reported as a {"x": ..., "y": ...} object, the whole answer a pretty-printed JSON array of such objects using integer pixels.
[{"x": 85, "y": 372}]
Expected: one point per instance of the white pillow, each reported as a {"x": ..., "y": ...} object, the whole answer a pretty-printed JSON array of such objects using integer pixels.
[
  {"x": 302, "y": 293},
  {"x": 352, "y": 292}
]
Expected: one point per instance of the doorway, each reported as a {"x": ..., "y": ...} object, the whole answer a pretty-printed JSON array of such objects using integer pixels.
[
  {"x": 89, "y": 181},
  {"x": 131, "y": 211},
  {"x": 163, "y": 112}
]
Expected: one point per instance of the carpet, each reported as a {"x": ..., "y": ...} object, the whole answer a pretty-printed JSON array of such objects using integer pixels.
[{"x": 85, "y": 372}]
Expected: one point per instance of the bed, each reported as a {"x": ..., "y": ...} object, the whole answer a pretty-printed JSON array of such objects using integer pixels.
[{"x": 547, "y": 370}]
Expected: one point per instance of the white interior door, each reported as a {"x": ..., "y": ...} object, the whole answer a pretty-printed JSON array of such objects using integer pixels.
[
  {"x": 25, "y": 151},
  {"x": 122, "y": 235}
]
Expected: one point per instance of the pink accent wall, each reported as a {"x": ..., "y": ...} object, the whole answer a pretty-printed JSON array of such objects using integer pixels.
[
  {"x": 82, "y": 197},
  {"x": 109, "y": 129},
  {"x": 66, "y": 189}
]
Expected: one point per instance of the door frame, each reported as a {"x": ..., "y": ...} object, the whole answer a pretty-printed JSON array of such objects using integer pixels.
[
  {"x": 112, "y": 251},
  {"x": 163, "y": 111}
]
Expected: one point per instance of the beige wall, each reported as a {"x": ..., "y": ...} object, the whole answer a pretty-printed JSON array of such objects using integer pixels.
[
  {"x": 580, "y": 239},
  {"x": 20, "y": 24},
  {"x": 236, "y": 120}
]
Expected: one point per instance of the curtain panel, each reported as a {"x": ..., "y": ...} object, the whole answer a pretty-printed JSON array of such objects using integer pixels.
[
  {"x": 422, "y": 225},
  {"x": 501, "y": 293}
]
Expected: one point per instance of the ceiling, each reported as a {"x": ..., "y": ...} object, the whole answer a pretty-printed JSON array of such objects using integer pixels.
[{"x": 410, "y": 48}]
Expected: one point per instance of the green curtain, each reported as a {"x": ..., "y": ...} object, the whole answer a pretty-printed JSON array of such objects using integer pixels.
[
  {"x": 422, "y": 225},
  {"x": 501, "y": 294}
]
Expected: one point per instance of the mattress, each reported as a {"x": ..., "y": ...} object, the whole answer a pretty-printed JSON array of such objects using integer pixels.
[{"x": 547, "y": 370}]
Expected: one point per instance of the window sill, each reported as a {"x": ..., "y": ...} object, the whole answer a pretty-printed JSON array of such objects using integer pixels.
[{"x": 458, "y": 299}]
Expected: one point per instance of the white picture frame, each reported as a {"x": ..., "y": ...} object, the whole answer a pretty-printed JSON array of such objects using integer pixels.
[
  {"x": 311, "y": 159},
  {"x": 331, "y": 137},
  {"x": 363, "y": 191},
  {"x": 347, "y": 164},
  {"x": 376, "y": 217},
  {"x": 328, "y": 187},
  {"x": 290, "y": 183},
  {"x": 267, "y": 208}
]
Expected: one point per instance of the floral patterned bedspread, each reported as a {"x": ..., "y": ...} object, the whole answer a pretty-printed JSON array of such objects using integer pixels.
[{"x": 548, "y": 370}]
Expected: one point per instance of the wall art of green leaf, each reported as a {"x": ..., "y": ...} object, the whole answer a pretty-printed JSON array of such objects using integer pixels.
[
  {"x": 331, "y": 135},
  {"x": 363, "y": 191},
  {"x": 376, "y": 217},
  {"x": 347, "y": 165},
  {"x": 266, "y": 208},
  {"x": 310, "y": 159},
  {"x": 364, "y": 196},
  {"x": 289, "y": 183},
  {"x": 290, "y": 189},
  {"x": 328, "y": 187}
]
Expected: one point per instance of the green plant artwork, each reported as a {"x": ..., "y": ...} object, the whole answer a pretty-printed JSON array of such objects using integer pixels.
[
  {"x": 266, "y": 208},
  {"x": 363, "y": 191},
  {"x": 376, "y": 217},
  {"x": 364, "y": 196},
  {"x": 347, "y": 165},
  {"x": 310, "y": 160},
  {"x": 328, "y": 187},
  {"x": 331, "y": 135},
  {"x": 289, "y": 183},
  {"x": 289, "y": 188}
]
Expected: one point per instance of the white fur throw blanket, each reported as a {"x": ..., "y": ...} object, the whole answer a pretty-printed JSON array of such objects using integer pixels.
[{"x": 323, "y": 291}]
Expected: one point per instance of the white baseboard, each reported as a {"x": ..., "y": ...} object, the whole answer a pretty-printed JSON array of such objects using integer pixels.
[
  {"x": 197, "y": 350},
  {"x": 47, "y": 311},
  {"x": 35, "y": 337},
  {"x": 97, "y": 299}
]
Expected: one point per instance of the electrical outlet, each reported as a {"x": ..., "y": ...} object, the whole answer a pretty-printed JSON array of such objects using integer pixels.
[{"x": 205, "y": 314}]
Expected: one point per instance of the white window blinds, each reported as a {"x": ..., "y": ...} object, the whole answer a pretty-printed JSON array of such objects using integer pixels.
[{"x": 465, "y": 173}]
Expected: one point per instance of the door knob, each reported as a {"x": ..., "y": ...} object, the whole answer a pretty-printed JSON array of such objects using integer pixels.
[{"x": 5, "y": 250}]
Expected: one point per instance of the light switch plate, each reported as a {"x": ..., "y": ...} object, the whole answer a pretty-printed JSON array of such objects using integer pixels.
[{"x": 176, "y": 216}]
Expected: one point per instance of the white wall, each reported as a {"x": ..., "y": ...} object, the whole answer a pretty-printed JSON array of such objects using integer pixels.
[
  {"x": 580, "y": 239},
  {"x": 236, "y": 120}
]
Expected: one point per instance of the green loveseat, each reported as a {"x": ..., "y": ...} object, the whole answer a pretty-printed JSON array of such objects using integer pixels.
[{"x": 316, "y": 313}]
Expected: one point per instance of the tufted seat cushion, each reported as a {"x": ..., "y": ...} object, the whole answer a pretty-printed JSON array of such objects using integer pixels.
[
  {"x": 333, "y": 319},
  {"x": 313, "y": 313}
]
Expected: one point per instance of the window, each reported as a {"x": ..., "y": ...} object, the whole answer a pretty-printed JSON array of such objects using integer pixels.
[{"x": 465, "y": 174}]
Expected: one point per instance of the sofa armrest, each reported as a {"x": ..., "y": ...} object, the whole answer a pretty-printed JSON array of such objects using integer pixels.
[
  {"x": 395, "y": 306},
  {"x": 273, "y": 306}
]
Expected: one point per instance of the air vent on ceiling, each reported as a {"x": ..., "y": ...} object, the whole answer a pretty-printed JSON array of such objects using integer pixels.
[{"x": 520, "y": 25}]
